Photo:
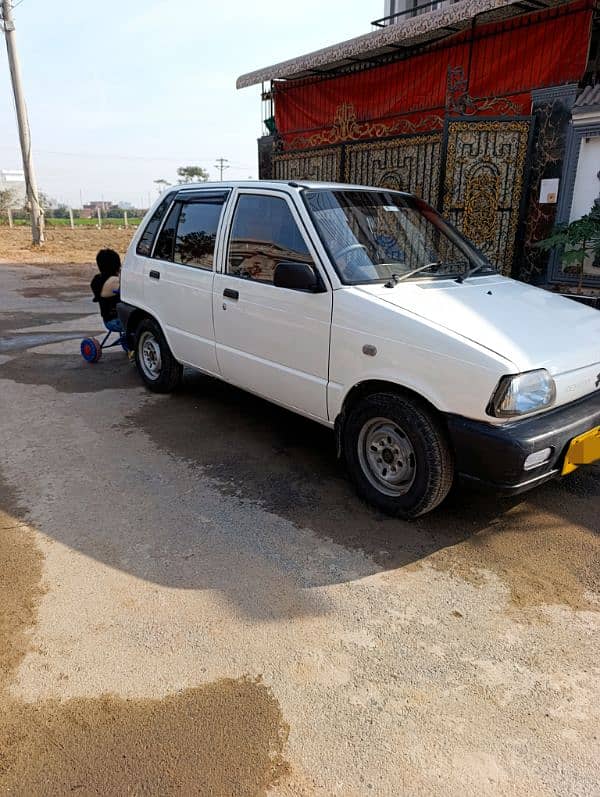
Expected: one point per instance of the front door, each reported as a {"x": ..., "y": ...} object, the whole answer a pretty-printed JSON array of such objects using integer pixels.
[
  {"x": 179, "y": 282},
  {"x": 271, "y": 340}
]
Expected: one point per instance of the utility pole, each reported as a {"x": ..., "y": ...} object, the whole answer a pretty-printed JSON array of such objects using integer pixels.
[
  {"x": 220, "y": 165},
  {"x": 37, "y": 214}
]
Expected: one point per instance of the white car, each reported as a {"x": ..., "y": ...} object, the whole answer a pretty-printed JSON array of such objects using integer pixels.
[{"x": 362, "y": 309}]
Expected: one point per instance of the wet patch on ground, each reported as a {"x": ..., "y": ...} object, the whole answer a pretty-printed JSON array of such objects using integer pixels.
[
  {"x": 56, "y": 291},
  {"x": 81, "y": 272},
  {"x": 20, "y": 579},
  {"x": 544, "y": 547},
  {"x": 221, "y": 738},
  {"x": 69, "y": 373},
  {"x": 12, "y": 322},
  {"x": 21, "y": 341},
  {"x": 224, "y": 738}
]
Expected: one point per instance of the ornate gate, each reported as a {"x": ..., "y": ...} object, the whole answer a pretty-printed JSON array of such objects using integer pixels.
[
  {"x": 473, "y": 171},
  {"x": 409, "y": 163},
  {"x": 484, "y": 182},
  {"x": 313, "y": 164}
]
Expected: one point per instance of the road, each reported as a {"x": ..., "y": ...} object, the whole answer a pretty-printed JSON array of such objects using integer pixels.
[{"x": 193, "y": 601}]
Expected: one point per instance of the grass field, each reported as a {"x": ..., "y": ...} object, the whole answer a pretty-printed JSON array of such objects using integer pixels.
[{"x": 63, "y": 245}]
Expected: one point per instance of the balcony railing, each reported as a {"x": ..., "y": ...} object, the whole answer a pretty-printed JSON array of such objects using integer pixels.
[{"x": 411, "y": 12}]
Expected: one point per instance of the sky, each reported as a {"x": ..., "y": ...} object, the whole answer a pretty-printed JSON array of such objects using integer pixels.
[{"x": 120, "y": 93}]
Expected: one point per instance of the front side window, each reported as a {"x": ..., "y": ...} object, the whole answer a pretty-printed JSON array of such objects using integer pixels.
[
  {"x": 197, "y": 232},
  {"x": 374, "y": 235},
  {"x": 264, "y": 233},
  {"x": 144, "y": 246}
]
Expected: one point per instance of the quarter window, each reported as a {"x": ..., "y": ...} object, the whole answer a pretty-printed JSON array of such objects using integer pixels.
[
  {"x": 264, "y": 233},
  {"x": 197, "y": 232},
  {"x": 144, "y": 246},
  {"x": 166, "y": 240}
]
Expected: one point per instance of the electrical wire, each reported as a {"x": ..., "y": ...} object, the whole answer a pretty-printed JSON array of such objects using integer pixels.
[{"x": 108, "y": 156}]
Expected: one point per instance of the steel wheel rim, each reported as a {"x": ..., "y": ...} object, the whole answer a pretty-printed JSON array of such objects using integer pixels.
[
  {"x": 150, "y": 357},
  {"x": 387, "y": 456}
]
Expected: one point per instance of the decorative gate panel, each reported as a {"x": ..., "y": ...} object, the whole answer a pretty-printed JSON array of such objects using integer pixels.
[
  {"x": 483, "y": 183},
  {"x": 320, "y": 164},
  {"x": 410, "y": 163}
]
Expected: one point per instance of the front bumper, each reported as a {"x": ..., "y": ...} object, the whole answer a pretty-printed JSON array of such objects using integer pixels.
[{"x": 493, "y": 456}]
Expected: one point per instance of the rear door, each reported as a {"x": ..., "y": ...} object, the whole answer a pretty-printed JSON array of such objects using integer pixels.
[
  {"x": 271, "y": 340},
  {"x": 134, "y": 275},
  {"x": 179, "y": 276}
]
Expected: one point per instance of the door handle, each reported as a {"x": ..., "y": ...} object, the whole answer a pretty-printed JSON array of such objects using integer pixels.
[
  {"x": 155, "y": 275},
  {"x": 231, "y": 294}
]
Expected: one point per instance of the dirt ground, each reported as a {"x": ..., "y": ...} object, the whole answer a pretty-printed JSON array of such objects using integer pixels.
[
  {"x": 193, "y": 601},
  {"x": 62, "y": 245}
]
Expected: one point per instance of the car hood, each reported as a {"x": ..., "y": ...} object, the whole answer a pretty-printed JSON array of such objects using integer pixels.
[{"x": 532, "y": 328}]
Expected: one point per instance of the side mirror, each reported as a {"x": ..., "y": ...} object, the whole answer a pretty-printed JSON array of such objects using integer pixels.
[{"x": 296, "y": 276}]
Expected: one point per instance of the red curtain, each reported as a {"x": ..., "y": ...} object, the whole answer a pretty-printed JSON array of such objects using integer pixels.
[{"x": 508, "y": 60}]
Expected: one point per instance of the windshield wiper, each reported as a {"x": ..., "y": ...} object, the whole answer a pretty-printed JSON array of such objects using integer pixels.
[
  {"x": 399, "y": 277},
  {"x": 469, "y": 271}
]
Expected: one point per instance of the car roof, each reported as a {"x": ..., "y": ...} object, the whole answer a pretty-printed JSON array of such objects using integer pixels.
[{"x": 311, "y": 184}]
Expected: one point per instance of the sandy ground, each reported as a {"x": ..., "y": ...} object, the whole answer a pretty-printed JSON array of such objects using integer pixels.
[
  {"x": 193, "y": 601},
  {"x": 62, "y": 245}
]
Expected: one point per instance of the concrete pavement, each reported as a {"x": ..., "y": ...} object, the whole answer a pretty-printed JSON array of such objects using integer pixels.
[{"x": 207, "y": 603}]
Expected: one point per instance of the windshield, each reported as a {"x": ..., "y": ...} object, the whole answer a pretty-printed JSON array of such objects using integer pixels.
[{"x": 376, "y": 235}]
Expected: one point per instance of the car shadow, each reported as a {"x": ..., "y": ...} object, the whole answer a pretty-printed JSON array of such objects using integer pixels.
[
  {"x": 263, "y": 453},
  {"x": 544, "y": 547}
]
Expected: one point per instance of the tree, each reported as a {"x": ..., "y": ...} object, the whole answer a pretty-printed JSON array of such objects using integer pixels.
[
  {"x": 161, "y": 185},
  {"x": 7, "y": 199},
  {"x": 45, "y": 201},
  {"x": 192, "y": 174},
  {"x": 576, "y": 242}
]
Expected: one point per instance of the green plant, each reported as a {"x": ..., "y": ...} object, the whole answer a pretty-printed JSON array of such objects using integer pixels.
[{"x": 576, "y": 242}]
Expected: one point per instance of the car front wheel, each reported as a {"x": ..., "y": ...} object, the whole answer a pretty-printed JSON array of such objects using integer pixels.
[
  {"x": 158, "y": 368},
  {"x": 398, "y": 455}
]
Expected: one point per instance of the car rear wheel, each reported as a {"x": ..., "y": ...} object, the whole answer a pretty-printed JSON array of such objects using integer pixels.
[
  {"x": 158, "y": 368},
  {"x": 398, "y": 455}
]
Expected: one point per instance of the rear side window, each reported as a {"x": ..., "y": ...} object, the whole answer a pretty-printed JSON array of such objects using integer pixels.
[
  {"x": 144, "y": 246},
  {"x": 197, "y": 232}
]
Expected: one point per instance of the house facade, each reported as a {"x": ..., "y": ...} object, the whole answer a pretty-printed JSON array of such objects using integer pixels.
[
  {"x": 486, "y": 109},
  {"x": 13, "y": 180}
]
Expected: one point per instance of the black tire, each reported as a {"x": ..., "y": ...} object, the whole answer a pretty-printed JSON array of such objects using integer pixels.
[
  {"x": 418, "y": 453},
  {"x": 166, "y": 374}
]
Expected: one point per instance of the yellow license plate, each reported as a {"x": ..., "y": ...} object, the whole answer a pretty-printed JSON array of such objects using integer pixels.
[{"x": 583, "y": 450}]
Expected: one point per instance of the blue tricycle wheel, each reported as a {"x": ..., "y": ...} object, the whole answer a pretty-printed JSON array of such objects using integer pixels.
[{"x": 91, "y": 351}]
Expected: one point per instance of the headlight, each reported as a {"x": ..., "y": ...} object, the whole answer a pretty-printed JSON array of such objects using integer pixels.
[{"x": 522, "y": 393}]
